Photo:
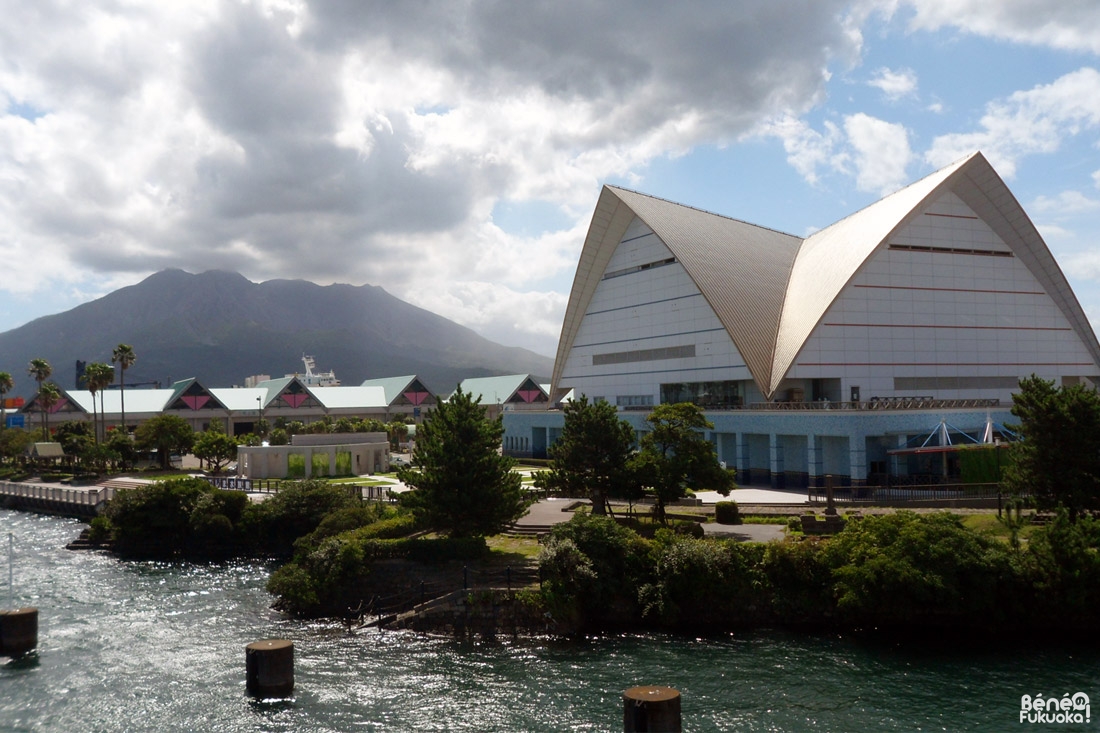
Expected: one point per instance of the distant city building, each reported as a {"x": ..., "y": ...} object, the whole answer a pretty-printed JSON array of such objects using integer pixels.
[{"x": 911, "y": 320}]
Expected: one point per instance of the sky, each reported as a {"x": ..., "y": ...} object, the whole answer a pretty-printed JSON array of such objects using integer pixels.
[{"x": 453, "y": 152}]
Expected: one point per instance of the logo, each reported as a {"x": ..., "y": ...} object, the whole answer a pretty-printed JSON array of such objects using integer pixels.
[{"x": 1068, "y": 709}]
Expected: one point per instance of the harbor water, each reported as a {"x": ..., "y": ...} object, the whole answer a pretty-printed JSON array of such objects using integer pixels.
[{"x": 136, "y": 646}]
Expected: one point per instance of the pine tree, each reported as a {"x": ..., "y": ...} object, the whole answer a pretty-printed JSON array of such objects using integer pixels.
[
  {"x": 463, "y": 485},
  {"x": 676, "y": 457},
  {"x": 592, "y": 456},
  {"x": 1058, "y": 456}
]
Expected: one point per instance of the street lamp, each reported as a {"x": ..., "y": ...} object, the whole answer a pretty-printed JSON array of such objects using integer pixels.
[{"x": 260, "y": 422}]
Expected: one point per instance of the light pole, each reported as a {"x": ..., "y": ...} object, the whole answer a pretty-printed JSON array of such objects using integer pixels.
[{"x": 260, "y": 422}]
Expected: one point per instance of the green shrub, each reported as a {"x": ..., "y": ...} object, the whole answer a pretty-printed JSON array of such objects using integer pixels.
[
  {"x": 726, "y": 512},
  {"x": 155, "y": 521},
  {"x": 900, "y": 568},
  {"x": 295, "y": 511},
  {"x": 346, "y": 519},
  {"x": 620, "y": 562},
  {"x": 688, "y": 529},
  {"x": 100, "y": 529}
]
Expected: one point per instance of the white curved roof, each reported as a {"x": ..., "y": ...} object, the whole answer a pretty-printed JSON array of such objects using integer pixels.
[{"x": 770, "y": 290}]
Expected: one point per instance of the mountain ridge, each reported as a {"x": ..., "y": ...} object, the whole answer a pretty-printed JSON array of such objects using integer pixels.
[{"x": 220, "y": 327}]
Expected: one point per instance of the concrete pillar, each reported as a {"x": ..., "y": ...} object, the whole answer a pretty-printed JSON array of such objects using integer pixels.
[
  {"x": 857, "y": 459},
  {"x": 269, "y": 666},
  {"x": 651, "y": 709},
  {"x": 18, "y": 631},
  {"x": 742, "y": 459},
  {"x": 813, "y": 460},
  {"x": 775, "y": 461}
]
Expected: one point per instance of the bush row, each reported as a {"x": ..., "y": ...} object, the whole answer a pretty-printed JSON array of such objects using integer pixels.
[
  {"x": 187, "y": 518},
  {"x": 901, "y": 571},
  {"x": 335, "y": 578}
]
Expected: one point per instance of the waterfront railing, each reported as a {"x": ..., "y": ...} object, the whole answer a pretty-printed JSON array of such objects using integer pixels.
[{"x": 57, "y": 494}]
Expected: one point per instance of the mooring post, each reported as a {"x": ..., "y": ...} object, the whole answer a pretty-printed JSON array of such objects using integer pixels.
[
  {"x": 269, "y": 668},
  {"x": 18, "y": 631},
  {"x": 652, "y": 709}
]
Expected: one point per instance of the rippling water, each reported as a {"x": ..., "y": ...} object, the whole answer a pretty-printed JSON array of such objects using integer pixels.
[{"x": 160, "y": 647}]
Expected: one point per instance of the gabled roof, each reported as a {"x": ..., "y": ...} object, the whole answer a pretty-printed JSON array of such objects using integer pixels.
[
  {"x": 350, "y": 397},
  {"x": 138, "y": 401},
  {"x": 771, "y": 290},
  {"x": 509, "y": 388},
  {"x": 240, "y": 399},
  {"x": 410, "y": 387},
  {"x": 189, "y": 394}
]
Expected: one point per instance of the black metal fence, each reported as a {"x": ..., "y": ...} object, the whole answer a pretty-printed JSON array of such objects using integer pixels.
[
  {"x": 468, "y": 579},
  {"x": 910, "y": 494}
]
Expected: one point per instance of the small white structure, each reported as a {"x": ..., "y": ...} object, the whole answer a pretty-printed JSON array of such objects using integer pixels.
[{"x": 315, "y": 455}]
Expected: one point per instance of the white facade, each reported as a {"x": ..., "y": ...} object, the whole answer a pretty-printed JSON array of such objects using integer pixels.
[
  {"x": 941, "y": 307},
  {"x": 825, "y": 355}
]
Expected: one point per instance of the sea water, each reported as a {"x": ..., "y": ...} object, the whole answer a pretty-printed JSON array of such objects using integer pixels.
[{"x": 141, "y": 646}]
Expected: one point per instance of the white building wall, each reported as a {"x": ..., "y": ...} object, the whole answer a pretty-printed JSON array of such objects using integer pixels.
[
  {"x": 636, "y": 311},
  {"x": 942, "y": 324}
]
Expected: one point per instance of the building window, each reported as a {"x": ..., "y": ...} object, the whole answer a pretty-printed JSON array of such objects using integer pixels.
[
  {"x": 708, "y": 395},
  {"x": 634, "y": 400},
  {"x": 625, "y": 357}
]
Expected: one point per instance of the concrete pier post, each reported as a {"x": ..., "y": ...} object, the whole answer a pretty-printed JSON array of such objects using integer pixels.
[
  {"x": 18, "y": 631},
  {"x": 651, "y": 709},
  {"x": 270, "y": 668}
]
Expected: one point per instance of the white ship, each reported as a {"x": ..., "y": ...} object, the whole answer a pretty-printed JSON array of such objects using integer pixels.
[{"x": 315, "y": 379}]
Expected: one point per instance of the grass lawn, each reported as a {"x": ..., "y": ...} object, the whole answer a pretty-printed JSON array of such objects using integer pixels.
[
  {"x": 989, "y": 525},
  {"x": 512, "y": 550}
]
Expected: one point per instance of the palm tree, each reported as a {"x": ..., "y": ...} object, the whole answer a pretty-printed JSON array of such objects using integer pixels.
[
  {"x": 96, "y": 377},
  {"x": 48, "y": 395},
  {"x": 125, "y": 357},
  {"x": 6, "y": 385},
  {"x": 41, "y": 370}
]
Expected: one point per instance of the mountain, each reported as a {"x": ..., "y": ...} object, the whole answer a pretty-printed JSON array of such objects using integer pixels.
[{"x": 220, "y": 328}]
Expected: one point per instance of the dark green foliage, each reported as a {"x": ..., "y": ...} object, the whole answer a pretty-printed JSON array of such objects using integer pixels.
[
  {"x": 702, "y": 583},
  {"x": 980, "y": 464},
  {"x": 903, "y": 572},
  {"x": 1058, "y": 456},
  {"x": 801, "y": 581},
  {"x": 592, "y": 569},
  {"x": 331, "y": 580},
  {"x": 166, "y": 434},
  {"x": 463, "y": 485},
  {"x": 155, "y": 521},
  {"x": 295, "y": 511},
  {"x": 675, "y": 456},
  {"x": 14, "y": 442},
  {"x": 592, "y": 456},
  {"x": 215, "y": 447},
  {"x": 1063, "y": 566},
  {"x": 726, "y": 512},
  {"x": 100, "y": 529},
  {"x": 904, "y": 568},
  {"x": 385, "y": 520},
  {"x": 75, "y": 436}
]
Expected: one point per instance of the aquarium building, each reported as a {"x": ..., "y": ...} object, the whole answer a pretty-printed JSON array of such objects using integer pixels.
[{"x": 907, "y": 324}]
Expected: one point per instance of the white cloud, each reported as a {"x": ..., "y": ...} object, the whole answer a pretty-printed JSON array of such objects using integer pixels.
[
  {"x": 1065, "y": 204},
  {"x": 1027, "y": 122},
  {"x": 368, "y": 141},
  {"x": 1084, "y": 265},
  {"x": 875, "y": 152},
  {"x": 881, "y": 153},
  {"x": 1072, "y": 25},
  {"x": 895, "y": 84},
  {"x": 807, "y": 149}
]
